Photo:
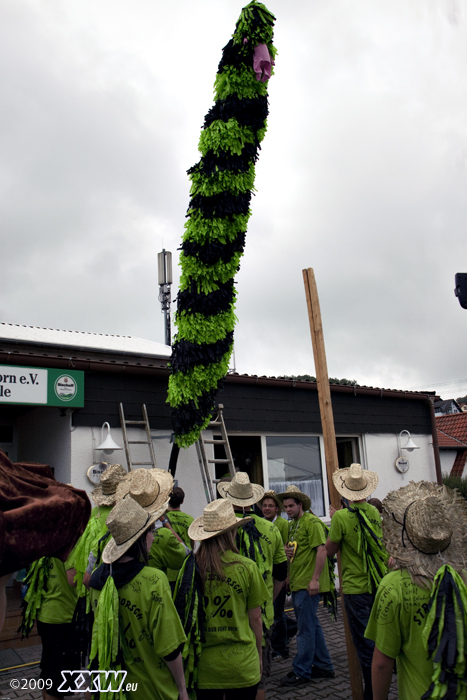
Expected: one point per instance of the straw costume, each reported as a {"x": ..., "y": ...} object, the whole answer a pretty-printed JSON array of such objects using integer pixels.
[
  {"x": 221, "y": 186},
  {"x": 136, "y": 626},
  {"x": 420, "y": 611},
  {"x": 215, "y": 615},
  {"x": 307, "y": 536}
]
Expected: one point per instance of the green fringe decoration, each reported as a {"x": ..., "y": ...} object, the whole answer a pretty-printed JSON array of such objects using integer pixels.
[
  {"x": 189, "y": 604},
  {"x": 375, "y": 557},
  {"x": 36, "y": 580},
  {"x": 445, "y": 636},
  {"x": 222, "y": 183},
  {"x": 105, "y": 643}
]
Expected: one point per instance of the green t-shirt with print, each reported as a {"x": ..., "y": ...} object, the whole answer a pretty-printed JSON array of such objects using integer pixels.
[
  {"x": 166, "y": 551},
  {"x": 59, "y": 598},
  {"x": 283, "y": 526},
  {"x": 273, "y": 550},
  {"x": 151, "y": 629},
  {"x": 396, "y": 624},
  {"x": 308, "y": 533},
  {"x": 345, "y": 531},
  {"x": 180, "y": 522},
  {"x": 229, "y": 656}
]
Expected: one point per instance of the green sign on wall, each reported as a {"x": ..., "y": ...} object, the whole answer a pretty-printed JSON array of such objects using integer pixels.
[{"x": 41, "y": 387}]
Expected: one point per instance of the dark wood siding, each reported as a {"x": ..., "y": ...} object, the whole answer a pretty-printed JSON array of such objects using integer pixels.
[{"x": 252, "y": 408}]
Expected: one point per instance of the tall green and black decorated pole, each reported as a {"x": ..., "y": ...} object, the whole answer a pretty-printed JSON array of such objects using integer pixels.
[{"x": 221, "y": 186}]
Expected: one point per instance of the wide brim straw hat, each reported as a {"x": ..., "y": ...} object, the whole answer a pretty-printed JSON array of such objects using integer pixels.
[
  {"x": 105, "y": 493},
  {"x": 240, "y": 491},
  {"x": 424, "y": 527},
  {"x": 218, "y": 517},
  {"x": 293, "y": 491},
  {"x": 355, "y": 483},
  {"x": 150, "y": 488},
  {"x": 126, "y": 523},
  {"x": 273, "y": 495}
]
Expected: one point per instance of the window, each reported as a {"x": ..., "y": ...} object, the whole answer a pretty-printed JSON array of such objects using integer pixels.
[{"x": 296, "y": 460}]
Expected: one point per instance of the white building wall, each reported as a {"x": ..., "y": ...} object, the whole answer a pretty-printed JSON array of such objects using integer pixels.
[
  {"x": 380, "y": 452},
  {"x": 84, "y": 454},
  {"x": 44, "y": 436},
  {"x": 447, "y": 458}
]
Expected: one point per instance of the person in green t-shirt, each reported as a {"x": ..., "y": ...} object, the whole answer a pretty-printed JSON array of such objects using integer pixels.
[
  {"x": 179, "y": 522},
  {"x": 261, "y": 542},
  {"x": 52, "y": 601},
  {"x": 230, "y": 591},
  {"x": 272, "y": 508},
  {"x": 149, "y": 635},
  {"x": 419, "y": 616},
  {"x": 356, "y": 532},
  {"x": 308, "y": 577}
]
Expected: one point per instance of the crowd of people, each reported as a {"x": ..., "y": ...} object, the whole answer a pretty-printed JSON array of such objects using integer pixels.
[{"x": 196, "y": 607}]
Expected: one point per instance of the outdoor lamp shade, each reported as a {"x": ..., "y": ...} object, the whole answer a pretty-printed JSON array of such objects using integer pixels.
[
  {"x": 108, "y": 445},
  {"x": 410, "y": 446}
]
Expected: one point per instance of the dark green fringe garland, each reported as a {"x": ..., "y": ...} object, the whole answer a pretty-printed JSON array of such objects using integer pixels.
[{"x": 214, "y": 240}]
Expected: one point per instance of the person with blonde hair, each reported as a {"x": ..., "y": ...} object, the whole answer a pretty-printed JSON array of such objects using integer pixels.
[{"x": 223, "y": 652}]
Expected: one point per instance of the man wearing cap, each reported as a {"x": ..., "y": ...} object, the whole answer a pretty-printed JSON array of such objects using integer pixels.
[
  {"x": 356, "y": 532},
  {"x": 308, "y": 577},
  {"x": 420, "y": 613},
  {"x": 260, "y": 541},
  {"x": 272, "y": 508}
]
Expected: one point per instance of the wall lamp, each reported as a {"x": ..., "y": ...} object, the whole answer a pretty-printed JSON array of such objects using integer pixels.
[
  {"x": 107, "y": 444},
  {"x": 402, "y": 464}
]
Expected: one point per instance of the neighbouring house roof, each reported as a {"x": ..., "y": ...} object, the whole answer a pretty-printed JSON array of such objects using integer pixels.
[
  {"x": 83, "y": 341},
  {"x": 452, "y": 431},
  {"x": 447, "y": 407}
]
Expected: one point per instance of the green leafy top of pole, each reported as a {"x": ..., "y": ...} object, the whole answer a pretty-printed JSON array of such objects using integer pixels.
[{"x": 222, "y": 183}]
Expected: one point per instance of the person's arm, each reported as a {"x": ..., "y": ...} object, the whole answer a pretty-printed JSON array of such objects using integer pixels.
[
  {"x": 381, "y": 674},
  {"x": 70, "y": 577},
  {"x": 313, "y": 586},
  {"x": 176, "y": 669},
  {"x": 332, "y": 547},
  {"x": 254, "y": 618},
  {"x": 279, "y": 574}
]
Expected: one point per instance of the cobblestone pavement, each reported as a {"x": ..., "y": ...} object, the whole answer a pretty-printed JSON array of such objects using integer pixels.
[{"x": 323, "y": 689}]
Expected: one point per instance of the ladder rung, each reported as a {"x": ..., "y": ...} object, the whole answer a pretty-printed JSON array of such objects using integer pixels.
[
  {"x": 219, "y": 461},
  {"x": 215, "y": 442},
  {"x": 138, "y": 442},
  {"x": 141, "y": 463},
  {"x": 135, "y": 422}
]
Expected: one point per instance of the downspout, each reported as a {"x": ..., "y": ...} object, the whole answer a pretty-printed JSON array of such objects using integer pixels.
[{"x": 434, "y": 431}]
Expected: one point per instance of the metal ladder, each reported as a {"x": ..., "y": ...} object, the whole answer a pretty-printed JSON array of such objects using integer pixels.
[
  {"x": 147, "y": 442},
  {"x": 204, "y": 462}
]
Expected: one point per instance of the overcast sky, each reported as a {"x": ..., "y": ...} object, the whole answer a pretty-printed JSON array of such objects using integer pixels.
[{"x": 362, "y": 176}]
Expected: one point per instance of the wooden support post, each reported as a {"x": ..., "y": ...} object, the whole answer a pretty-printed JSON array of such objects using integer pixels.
[{"x": 330, "y": 450}]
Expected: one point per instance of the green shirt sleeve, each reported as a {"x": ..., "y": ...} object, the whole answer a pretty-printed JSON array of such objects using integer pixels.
[
  {"x": 258, "y": 593},
  {"x": 335, "y": 531},
  {"x": 384, "y": 623}
]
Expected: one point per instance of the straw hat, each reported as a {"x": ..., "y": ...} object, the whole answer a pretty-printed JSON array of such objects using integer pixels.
[
  {"x": 218, "y": 517},
  {"x": 126, "y": 522},
  {"x": 105, "y": 493},
  {"x": 240, "y": 491},
  {"x": 294, "y": 492},
  {"x": 151, "y": 488},
  {"x": 424, "y": 527},
  {"x": 355, "y": 483},
  {"x": 273, "y": 495}
]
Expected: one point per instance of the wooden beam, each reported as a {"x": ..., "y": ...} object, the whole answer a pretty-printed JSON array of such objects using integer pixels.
[{"x": 330, "y": 450}]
